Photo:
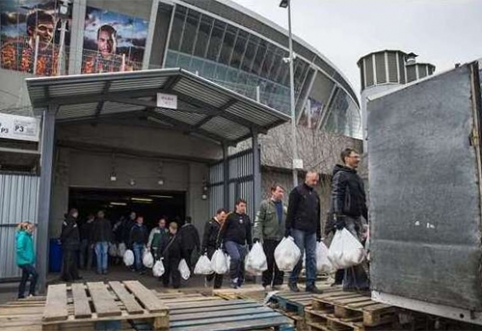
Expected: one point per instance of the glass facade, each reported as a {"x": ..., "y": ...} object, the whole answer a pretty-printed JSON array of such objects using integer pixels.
[
  {"x": 232, "y": 57},
  {"x": 242, "y": 61}
]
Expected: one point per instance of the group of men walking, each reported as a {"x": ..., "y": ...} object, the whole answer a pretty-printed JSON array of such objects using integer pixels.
[
  {"x": 301, "y": 220},
  {"x": 235, "y": 233}
]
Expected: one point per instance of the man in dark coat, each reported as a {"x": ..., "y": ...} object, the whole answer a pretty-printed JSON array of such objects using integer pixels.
[
  {"x": 190, "y": 240},
  {"x": 138, "y": 242},
  {"x": 172, "y": 254},
  {"x": 70, "y": 238},
  {"x": 237, "y": 239},
  {"x": 86, "y": 246},
  {"x": 349, "y": 206},
  {"x": 303, "y": 224},
  {"x": 211, "y": 242},
  {"x": 101, "y": 237}
]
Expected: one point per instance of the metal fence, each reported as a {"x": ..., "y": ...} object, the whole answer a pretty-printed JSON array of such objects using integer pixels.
[
  {"x": 18, "y": 203},
  {"x": 240, "y": 181}
]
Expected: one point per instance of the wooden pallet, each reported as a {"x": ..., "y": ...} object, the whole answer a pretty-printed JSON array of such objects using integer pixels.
[
  {"x": 351, "y": 306},
  {"x": 102, "y": 303},
  {"x": 319, "y": 321},
  {"x": 26, "y": 315},
  {"x": 255, "y": 292},
  {"x": 223, "y": 315}
]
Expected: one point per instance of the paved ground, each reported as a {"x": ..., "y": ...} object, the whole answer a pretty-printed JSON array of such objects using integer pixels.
[{"x": 8, "y": 292}]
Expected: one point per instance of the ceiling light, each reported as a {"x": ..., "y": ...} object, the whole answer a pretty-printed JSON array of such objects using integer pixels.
[
  {"x": 141, "y": 199},
  {"x": 118, "y": 204},
  {"x": 162, "y": 196}
]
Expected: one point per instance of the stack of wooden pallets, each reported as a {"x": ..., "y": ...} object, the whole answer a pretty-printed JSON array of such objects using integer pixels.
[{"x": 340, "y": 310}]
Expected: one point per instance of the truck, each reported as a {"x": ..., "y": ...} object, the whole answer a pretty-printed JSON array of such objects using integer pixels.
[{"x": 425, "y": 186}]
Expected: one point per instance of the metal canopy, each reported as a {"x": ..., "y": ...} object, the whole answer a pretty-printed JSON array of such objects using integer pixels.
[{"x": 204, "y": 108}]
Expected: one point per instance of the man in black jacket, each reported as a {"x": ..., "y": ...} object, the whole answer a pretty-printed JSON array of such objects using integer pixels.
[
  {"x": 101, "y": 237},
  {"x": 172, "y": 254},
  {"x": 211, "y": 242},
  {"x": 137, "y": 242},
  {"x": 190, "y": 240},
  {"x": 86, "y": 249},
  {"x": 303, "y": 224},
  {"x": 236, "y": 233},
  {"x": 70, "y": 239},
  {"x": 349, "y": 205}
]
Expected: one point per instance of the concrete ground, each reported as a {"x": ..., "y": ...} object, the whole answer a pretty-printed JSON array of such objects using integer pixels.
[{"x": 8, "y": 291}]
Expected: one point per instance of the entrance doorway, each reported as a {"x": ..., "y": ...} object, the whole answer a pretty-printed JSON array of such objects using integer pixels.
[{"x": 117, "y": 203}]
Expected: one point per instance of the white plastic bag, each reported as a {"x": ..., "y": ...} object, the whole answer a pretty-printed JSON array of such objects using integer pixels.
[
  {"x": 256, "y": 261},
  {"x": 121, "y": 250},
  {"x": 128, "y": 258},
  {"x": 323, "y": 264},
  {"x": 287, "y": 254},
  {"x": 184, "y": 269},
  {"x": 112, "y": 250},
  {"x": 158, "y": 269},
  {"x": 147, "y": 259},
  {"x": 203, "y": 266},
  {"x": 219, "y": 263},
  {"x": 345, "y": 250}
]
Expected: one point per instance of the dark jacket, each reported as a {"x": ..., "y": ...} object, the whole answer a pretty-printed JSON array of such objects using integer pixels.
[
  {"x": 118, "y": 231},
  {"x": 237, "y": 228},
  {"x": 102, "y": 231},
  {"x": 267, "y": 224},
  {"x": 138, "y": 235},
  {"x": 172, "y": 249},
  {"x": 70, "y": 235},
  {"x": 127, "y": 226},
  {"x": 190, "y": 237},
  {"x": 348, "y": 193},
  {"x": 86, "y": 230},
  {"x": 211, "y": 238},
  {"x": 304, "y": 210}
]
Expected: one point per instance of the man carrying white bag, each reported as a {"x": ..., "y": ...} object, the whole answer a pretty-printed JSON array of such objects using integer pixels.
[
  {"x": 303, "y": 224},
  {"x": 349, "y": 206},
  {"x": 210, "y": 244}
]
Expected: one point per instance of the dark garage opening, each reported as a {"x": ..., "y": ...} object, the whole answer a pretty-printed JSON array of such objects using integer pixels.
[{"x": 117, "y": 203}]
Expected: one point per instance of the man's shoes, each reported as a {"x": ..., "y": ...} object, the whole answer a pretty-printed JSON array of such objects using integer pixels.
[
  {"x": 207, "y": 283},
  {"x": 313, "y": 289},
  {"x": 293, "y": 287},
  {"x": 234, "y": 284},
  {"x": 142, "y": 272},
  {"x": 276, "y": 288}
]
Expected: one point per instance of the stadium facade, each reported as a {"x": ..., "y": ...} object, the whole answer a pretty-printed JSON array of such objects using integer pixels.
[{"x": 120, "y": 155}]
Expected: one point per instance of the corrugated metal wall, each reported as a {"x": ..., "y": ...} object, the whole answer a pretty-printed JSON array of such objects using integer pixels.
[
  {"x": 240, "y": 183},
  {"x": 18, "y": 202}
]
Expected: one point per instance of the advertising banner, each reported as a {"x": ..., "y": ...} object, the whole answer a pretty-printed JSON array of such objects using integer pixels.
[
  {"x": 113, "y": 42},
  {"x": 30, "y": 36}
]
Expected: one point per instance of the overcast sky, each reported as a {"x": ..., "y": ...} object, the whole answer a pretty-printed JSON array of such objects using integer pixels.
[{"x": 442, "y": 32}]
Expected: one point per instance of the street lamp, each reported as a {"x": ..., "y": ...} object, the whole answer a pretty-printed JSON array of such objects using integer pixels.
[{"x": 297, "y": 163}]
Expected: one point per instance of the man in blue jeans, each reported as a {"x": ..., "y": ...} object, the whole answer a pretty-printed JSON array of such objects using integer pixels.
[
  {"x": 138, "y": 241},
  {"x": 101, "y": 236},
  {"x": 236, "y": 233},
  {"x": 303, "y": 224}
]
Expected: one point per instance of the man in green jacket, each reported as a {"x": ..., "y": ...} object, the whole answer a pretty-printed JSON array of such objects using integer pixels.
[
  {"x": 269, "y": 227},
  {"x": 158, "y": 238}
]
